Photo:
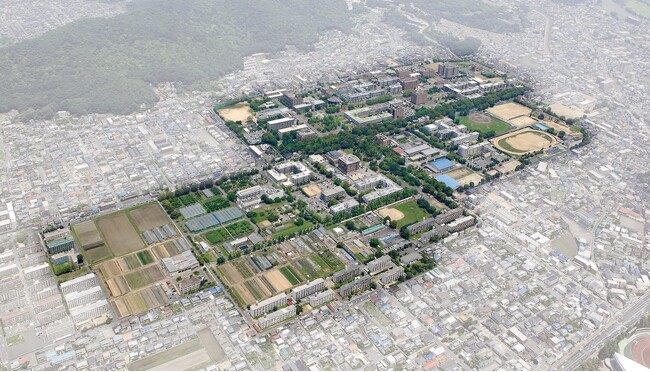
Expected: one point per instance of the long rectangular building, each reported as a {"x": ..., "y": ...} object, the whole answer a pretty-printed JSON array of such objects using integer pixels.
[
  {"x": 358, "y": 285},
  {"x": 347, "y": 273},
  {"x": 267, "y": 305},
  {"x": 391, "y": 275},
  {"x": 449, "y": 216},
  {"x": 321, "y": 298},
  {"x": 308, "y": 289},
  {"x": 276, "y": 317},
  {"x": 378, "y": 264}
]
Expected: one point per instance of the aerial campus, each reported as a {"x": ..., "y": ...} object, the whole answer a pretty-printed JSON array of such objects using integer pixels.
[{"x": 424, "y": 213}]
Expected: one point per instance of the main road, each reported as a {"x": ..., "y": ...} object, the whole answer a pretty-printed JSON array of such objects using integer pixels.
[{"x": 619, "y": 323}]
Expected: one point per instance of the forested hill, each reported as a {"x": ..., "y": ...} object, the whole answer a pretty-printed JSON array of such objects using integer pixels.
[{"x": 106, "y": 65}]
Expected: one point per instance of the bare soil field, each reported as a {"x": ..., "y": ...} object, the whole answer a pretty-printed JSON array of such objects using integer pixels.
[
  {"x": 120, "y": 308},
  {"x": 97, "y": 254},
  {"x": 312, "y": 190},
  {"x": 245, "y": 294},
  {"x": 522, "y": 121},
  {"x": 149, "y": 216},
  {"x": 186, "y": 356},
  {"x": 509, "y": 111},
  {"x": 161, "y": 251},
  {"x": 479, "y": 117},
  {"x": 109, "y": 269},
  {"x": 117, "y": 286},
  {"x": 88, "y": 234},
  {"x": 465, "y": 175},
  {"x": 279, "y": 282},
  {"x": 240, "y": 112},
  {"x": 230, "y": 273},
  {"x": 120, "y": 235},
  {"x": 393, "y": 213}
]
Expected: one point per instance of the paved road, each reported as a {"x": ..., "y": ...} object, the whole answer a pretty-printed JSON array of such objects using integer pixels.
[{"x": 619, "y": 323}]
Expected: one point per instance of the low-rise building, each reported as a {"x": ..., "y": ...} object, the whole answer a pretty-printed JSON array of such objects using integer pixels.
[{"x": 181, "y": 263}]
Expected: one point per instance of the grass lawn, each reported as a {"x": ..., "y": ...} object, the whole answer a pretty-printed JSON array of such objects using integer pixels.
[
  {"x": 15, "y": 340},
  {"x": 496, "y": 125},
  {"x": 292, "y": 228},
  {"x": 412, "y": 213},
  {"x": 136, "y": 280},
  {"x": 291, "y": 275}
]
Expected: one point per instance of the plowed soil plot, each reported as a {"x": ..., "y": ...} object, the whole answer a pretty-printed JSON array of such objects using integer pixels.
[
  {"x": 279, "y": 282},
  {"x": 88, "y": 234},
  {"x": 149, "y": 216},
  {"x": 119, "y": 234}
]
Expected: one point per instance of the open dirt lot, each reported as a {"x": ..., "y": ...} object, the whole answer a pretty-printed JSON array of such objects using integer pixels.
[
  {"x": 509, "y": 111},
  {"x": 479, "y": 118},
  {"x": 279, "y": 282},
  {"x": 522, "y": 121},
  {"x": 88, "y": 234},
  {"x": 393, "y": 213},
  {"x": 237, "y": 113},
  {"x": 149, "y": 216},
  {"x": 568, "y": 112},
  {"x": 120, "y": 234},
  {"x": 312, "y": 190},
  {"x": 230, "y": 273},
  {"x": 524, "y": 141},
  {"x": 465, "y": 175}
]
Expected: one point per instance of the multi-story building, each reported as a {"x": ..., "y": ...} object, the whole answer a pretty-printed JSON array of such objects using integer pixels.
[
  {"x": 379, "y": 264},
  {"x": 470, "y": 151},
  {"x": 290, "y": 99},
  {"x": 281, "y": 123},
  {"x": 419, "y": 97},
  {"x": 294, "y": 173},
  {"x": 397, "y": 111},
  {"x": 79, "y": 284},
  {"x": 461, "y": 224},
  {"x": 329, "y": 193},
  {"x": 358, "y": 285},
  {"x": 449, "y": 215},
  {"x": 82, "y": 314},
  {"x": 409, "y": 83},
  {"x": 423, "y": 225},
  {"x": 348, "y": 163},
  {"x": 60, "y": 245},
  {"x": 347, "y": 273},
  {"x": 447, "y": 70},
  {"x": 254, "y": 192},
  {"x": 276, "y": 317},
  {"x": 308, "y": 289},
  {"x": 181, "y": 263},
  {"x": 321, "y": 297},
  {"x": 267, "y": 305},
  {"x": 56, "y": 234},
  {"x": 465, "y": 138},
  {"x": 391, "y": 275},
  {"x": 82, "y": 298},
  {"x": 344, "y": 206}
]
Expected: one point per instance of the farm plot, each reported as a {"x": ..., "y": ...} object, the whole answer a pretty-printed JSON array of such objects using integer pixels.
[
  {"x": 244, "y": 294},
  {"x": 308, "y": 268},
  {"x": 243, "y": 268},
  {"x": 263, "y": 279},
  {"x": 232, "y": 231},
  {"x": 216, "y": 204},
  {"x": 145, "y": 257},
  {"x": 143, "y": 277},
  {"x": 149, "y": 216},
  {"x": 279, "y": 281},
  {"x": 88, "y": 235},
  {"x": 120, "y": 235},
  {"x": 109, "y": 269},
  {"x": 229, "y": 273},
  {"x": 130, "y": 262},
  {"x": 117, "y": 286},
  {"x": 290, "y": 274},
  {"x": 161, "y": 251}
]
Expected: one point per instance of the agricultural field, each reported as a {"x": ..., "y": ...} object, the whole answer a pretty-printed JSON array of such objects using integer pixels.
[
  {"x": 510, "y": 110},
  {"x": 165, "y": 250},
  {"x": 140, "y": 301},
  {"x": 88, "y": 235},
  {"x": 482, "y": 123},
  {"x": 119, "y": 234},
  {"x": 97, "y": 254},
  {"x": 143, "y": 277},
  {"x": 291, "y": 228},
  {"x": 291, "y": 275},
  {"x": 216, "y": 204},
  {"x": 149, "y": 216},
  {"x": 524, "y": 141},
  {"x": 412, "y": 213},
  {"x": 229, "y": 232},
  {"x": 465, "y": 175}
]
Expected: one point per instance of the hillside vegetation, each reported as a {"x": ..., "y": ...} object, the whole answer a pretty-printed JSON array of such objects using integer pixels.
[{"x": 107, "y": 65}]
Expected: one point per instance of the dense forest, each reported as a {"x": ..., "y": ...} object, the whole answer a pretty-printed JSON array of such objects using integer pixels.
[{"x": 107, "y": 65}]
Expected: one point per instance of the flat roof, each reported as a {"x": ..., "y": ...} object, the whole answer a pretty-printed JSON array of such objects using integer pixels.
[
  {"x": 448, "y": 181},
  {"x": 442, "y": 163}
]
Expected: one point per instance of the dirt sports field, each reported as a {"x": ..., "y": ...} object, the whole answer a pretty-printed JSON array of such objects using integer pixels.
[
  {"x": 239, "y": 112},
  {"x": 120, "y": 235},
  {"x": 149, "y": 216},
  {"x": 393, "y": 213},
  {"x": 465, "y": 175},
  {"x": 561, "y": 127},
  {"x": 509, "y": 111},
  {"x": 523, "y": 141},
  {"x": 522, "y": 121}
]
